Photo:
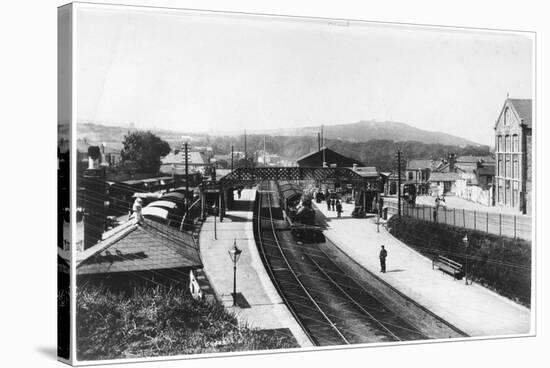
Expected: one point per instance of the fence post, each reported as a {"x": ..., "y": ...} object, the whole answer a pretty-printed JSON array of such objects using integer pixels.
[
  {"x": 423, "y": 213},
  {"x": 445, "y": 209},
  {"x": 474, "y": 219},
  {"x": 487, "y": 222},
  {"x": 454, "y": 216},
  {"x": 464, "y": 218},
  {"x": 500, "y": 224},
  {"x": 515, "y": 226}
]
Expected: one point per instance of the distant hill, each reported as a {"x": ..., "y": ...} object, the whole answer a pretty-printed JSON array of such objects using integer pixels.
[
  {"x": 363, "y": 131},
  {"x": 352, "y": 140}
]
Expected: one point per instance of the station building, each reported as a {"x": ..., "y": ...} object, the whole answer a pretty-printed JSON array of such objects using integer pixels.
[{"x": 513, "y": 155}]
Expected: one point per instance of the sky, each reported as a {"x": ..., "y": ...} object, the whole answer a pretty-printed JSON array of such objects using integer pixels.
[{"x": 211, "y": 72}]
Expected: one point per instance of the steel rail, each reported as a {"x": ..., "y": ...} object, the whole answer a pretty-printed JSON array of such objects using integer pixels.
[
  {"x": 298, "y": 280},
  {"x": 277, "y": 285}
]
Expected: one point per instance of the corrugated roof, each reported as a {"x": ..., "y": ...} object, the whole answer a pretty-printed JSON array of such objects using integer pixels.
[
  {"x": 152, "y": 246},
  {"x": 523, "y": 108}
]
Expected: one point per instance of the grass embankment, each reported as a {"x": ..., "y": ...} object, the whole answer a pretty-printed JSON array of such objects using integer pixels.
[
  {"x": 499, "y": 263},
  {"x": 147, "y": 322}
]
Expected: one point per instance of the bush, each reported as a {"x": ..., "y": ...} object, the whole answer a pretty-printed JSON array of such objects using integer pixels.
[
  {"x": 159, "y": 322},
  {"x": 499, "y": 263}
]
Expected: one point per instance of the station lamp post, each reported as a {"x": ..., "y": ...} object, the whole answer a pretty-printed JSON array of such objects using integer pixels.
[
  {"x": 466, "y": 241},
  {"x": 215, "y": 213},
  {"x": 234, "y": 254}
]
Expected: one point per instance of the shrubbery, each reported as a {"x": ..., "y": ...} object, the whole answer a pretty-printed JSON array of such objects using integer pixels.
[
  {"x": 499, "y": 263},
  {"x": 160, "y": 321}
]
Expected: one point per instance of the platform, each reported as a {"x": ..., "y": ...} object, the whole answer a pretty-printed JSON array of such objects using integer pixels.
[
  {"x": 472, "y": 308},
  {"x": 263, "y": 308}
]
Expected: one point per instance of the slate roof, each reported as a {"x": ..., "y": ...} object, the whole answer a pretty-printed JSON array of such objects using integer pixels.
[
  {"x": 486, "y": 170},
  {"x": 152, "y": 246},
  {"x": 523, "y": 108},
  {"x": 474, "y": 159},
  {"x": 315, "y": 159},
  {"x": 367, "y": 171},
  {"x": 195, "y": 158},
  {"x": 444, "y": 176},
  {"x": 419, "y": 164}
]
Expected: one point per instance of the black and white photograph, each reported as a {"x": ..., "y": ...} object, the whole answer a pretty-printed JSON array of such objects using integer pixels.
[{"x": 243, "y": 183}]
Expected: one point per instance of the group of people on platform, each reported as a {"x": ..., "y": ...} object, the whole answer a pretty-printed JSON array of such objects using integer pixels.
[{"x": 334, "y": 205}]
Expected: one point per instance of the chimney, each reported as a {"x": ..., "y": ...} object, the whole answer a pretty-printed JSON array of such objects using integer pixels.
[
  {"x": 452, "y": 161},
  {"x": 95, "y": 197},
  {"x": 136, "y": 208},
  {"x": 103, "y": 157},
  {"x": 94, "y": 154}
]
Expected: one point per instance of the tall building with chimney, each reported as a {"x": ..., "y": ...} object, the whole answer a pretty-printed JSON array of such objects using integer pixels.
[{"x": 513, "y": 155}]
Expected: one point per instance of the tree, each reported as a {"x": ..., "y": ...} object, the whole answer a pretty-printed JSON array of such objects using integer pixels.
[
  {"x": 145, "y": 149},
  {"x": 249, "y": 162},
  {"x": 94, "y": 152}
]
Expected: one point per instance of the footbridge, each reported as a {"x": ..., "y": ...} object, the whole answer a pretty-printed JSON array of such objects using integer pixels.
[{"x": 218, "y": 193}]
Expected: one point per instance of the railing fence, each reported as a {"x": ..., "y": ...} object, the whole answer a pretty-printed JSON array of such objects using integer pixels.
[{"x": 495, "y": 223}]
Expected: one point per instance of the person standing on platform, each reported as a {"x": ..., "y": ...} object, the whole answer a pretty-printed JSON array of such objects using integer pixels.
[
  {"x": 383, "y": 255},
  {"x": 327, "y": 198},
  {"x": 339, "y": 208},
  {"x": 333, "y": 204}
]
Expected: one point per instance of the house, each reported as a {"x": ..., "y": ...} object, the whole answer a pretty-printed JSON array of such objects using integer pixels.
[
  {"x": 174, "y": 163},
  {"x": 513, "y": 154},
  {"x": 325, "y": 157},
  {"x": 390, "y": 182},
  {"x": 418, "y": 173},
  {"x": 442, "y": 183},
  {"x": 268, "y": 159}
]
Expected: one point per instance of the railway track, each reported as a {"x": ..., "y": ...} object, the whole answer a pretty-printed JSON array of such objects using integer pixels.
[{"x": 331, "y": 307}]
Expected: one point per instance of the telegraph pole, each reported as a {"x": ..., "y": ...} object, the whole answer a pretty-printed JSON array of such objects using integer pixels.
[
  {"x": 265, "y": 163},
  {"x": 186, "y": 179},
  {"x": 231, "y": 158},
  {"x": 323, "y": 144},
  {"x": 318, "y": 141},
  {"x": 245, "y": 155},
  {"x": 398, "y": 183}
]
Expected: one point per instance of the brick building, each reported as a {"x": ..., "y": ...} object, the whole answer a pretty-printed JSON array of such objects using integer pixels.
[{"x": 513, "y": 155}]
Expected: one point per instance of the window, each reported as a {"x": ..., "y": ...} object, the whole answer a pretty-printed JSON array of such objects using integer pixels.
[
  {"x": 507, "y": 148},
  {"x": 499, "y": 144},
  {"x": 411, "y": 175},
  {"x": 500, "y": 191},
  {"x": 500, "y": 169},
  {"x": 515, "y": 196},
  {"x": 515, "y": 143},
  {"x": 508, "y": 172},
  {"x": 507, "y": 193},
  {"x": 515, "y": 167}
]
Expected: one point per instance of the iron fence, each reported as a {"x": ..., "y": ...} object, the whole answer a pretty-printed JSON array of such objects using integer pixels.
[{"x": 495, "y": 223}]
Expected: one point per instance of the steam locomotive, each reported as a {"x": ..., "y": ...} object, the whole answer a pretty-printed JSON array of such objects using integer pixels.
[{"x": 300, "y": 213}]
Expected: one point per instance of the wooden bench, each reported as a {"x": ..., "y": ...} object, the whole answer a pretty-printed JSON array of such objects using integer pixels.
[{"x": 449, "y": 266}]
